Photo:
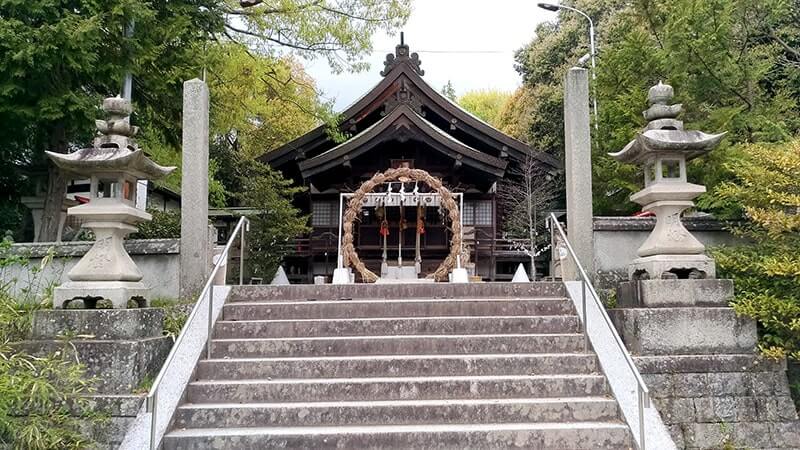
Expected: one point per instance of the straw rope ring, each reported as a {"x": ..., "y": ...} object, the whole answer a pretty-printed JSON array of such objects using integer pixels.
[{"x": 356, "y": 203}]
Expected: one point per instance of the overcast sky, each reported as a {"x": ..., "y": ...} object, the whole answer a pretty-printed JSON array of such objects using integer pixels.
[{"x": 469, "y": 42}]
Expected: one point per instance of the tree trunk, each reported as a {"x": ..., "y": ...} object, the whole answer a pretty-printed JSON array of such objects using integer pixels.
[
  {"x": 531, "y": 221},
  {"x": 56, "y": 189}
]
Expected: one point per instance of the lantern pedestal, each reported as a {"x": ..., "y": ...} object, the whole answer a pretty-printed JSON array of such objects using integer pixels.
[
  {"x": 671, "y": 267},
  {"x": 106, "y": 271},
  {"x": 119, "y": 293}
]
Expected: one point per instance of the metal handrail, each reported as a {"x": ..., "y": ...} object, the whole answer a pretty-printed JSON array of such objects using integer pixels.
[
  {"x": 643, "y": 394},
  {"x": 208, "y": 289}
]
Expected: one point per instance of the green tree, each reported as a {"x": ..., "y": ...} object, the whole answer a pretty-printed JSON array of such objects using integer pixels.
[
  {"x": 58, "y": 60},
  {"x": 767, "y": 271},
  {"x": 449, "y": 91},
  {"x": 485, "y": 104},
  {"x": 277, "y": 224},
  {"x": 733, "y": 64},
  {"x": 165, "y": 224},
  {"x": 263, "y": 101}
]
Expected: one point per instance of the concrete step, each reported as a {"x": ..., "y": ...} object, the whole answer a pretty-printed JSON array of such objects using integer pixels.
[
  {"x": 405, "y": 290},
  {"x": 557, "y": 436},
  {"x": 396, "y": 388},
  {"x": 402, "y": 345},
  {"x": 397, "y": 366},
  {"x": 397, "y": 412},
  {"x": 352, "y": 309},
  {"x": 395, "y": 325}
]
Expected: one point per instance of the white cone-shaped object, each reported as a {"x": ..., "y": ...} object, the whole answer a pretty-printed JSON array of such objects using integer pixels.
[
  {"x": 459, "y": 275},
  {"x": 280, "y": 278},
  {"x": 520, "y": 276},
  {"x": 341, "y": 276}
]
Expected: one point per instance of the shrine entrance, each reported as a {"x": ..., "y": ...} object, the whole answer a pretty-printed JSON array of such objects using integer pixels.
[{"x": 399, "y": 206}]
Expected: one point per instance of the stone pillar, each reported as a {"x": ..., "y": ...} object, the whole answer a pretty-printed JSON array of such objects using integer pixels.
[
  {"x": 195, "y": 251},
  {"x": 578, "y": 158}
]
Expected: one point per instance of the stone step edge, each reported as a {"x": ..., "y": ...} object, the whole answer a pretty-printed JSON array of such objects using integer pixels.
[
  {"x": 389, "y": 403},
  {"x": 399, "y": 337},
  {"x": 700, "y": 363},
  {"x": 387, "y": 319},
  {"x": 257, "y": 381},
  {"x": 398, "y": 300},
  {"x": 377, "y": 429},
  {"x": 454, "y": 356}
]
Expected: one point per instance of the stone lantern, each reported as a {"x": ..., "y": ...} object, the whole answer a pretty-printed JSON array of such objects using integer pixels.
[
  {"x": 114, "y": 164},
  {"x": 663, "y": 149}
]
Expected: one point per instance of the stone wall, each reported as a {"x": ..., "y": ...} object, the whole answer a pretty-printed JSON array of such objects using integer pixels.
[
  {"x": 119, "y": 348},
  {"x": 616, "y": 240},
  {"x": 700, "y": 362},
  {"x": 710, "y": 400},
  {"x": 158, "y": 259}
]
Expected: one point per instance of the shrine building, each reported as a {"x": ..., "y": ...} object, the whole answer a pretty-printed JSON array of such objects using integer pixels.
[{"x": 404, "y": 122}]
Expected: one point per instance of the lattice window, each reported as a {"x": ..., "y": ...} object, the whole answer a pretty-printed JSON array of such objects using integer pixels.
[
  {"x": 478, "y": 212},
  {"x": 483, "y": 212},
  {"x": 323, "y": 214}
]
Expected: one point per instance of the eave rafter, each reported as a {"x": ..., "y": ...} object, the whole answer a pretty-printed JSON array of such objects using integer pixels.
[{"x": 402, "y": 123}]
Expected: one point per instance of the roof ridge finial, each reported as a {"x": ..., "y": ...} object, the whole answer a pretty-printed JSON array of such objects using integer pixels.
[{"x": 402, "y": 55}]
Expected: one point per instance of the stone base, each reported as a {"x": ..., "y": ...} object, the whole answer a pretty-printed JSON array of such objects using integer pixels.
[
  {"x": 342, "y": 275},
  {"x": 118, "y": 292},
  {"x": 459, "y": 276},
  {"x": 672, "y": 267},
  {"x": 98, "y": 324},
  {"x": 669, "y": 293},
  {"x": 400, "y": 273},
  {"x": 707, "y": 401},
  {"x": 684, "y": 331},
  {"x": 119, "y": 366},
  {"x": 120, "y": 348},
  {"x": 122, "y": 409},
  {"x": 700, "y": 363}
]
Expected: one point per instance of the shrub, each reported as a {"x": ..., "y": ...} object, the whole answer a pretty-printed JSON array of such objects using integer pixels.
[
  {"x": 767, "y": 271},
  {"x": 175, "y": 314},
  {"x": 165, "y": 225},
  {"x": 41, "y": 403}
]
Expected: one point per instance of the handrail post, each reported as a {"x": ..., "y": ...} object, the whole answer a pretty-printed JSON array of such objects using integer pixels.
[
  {"x": 153, "y": 401},
  {"x": 640, "y": 395},
  {"x": 241, "y": 258},
  {"x": 210, "y": 314},
  {"x": 585, "y": 316}
]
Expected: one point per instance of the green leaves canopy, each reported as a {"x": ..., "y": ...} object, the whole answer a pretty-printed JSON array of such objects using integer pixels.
[
  {"x": 58, "y": 59},
  {"x": 487, "y": 105},
  {"x": 733, "y": 64}
]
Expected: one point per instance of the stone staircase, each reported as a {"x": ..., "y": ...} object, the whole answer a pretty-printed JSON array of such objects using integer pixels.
[{"x": 399, "y": 366}]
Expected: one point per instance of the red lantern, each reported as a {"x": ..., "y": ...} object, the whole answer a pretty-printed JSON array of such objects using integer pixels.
[{"x": 384, "y": 228}]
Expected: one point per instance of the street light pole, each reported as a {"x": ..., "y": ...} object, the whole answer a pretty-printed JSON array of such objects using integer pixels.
[
  {"x": 592, "y": 50},
  {"x": 127, "y": 84}
]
